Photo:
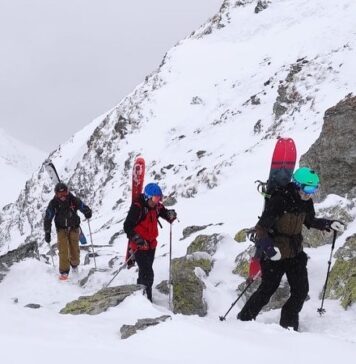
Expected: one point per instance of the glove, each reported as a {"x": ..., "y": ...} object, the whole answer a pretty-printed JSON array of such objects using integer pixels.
[
  {"x": 171, "y": 215},
  {"x": 266, "y": 244},
  {"x": 87, "y": 213},
  {"x": 337, "y": 226},
  {"x": 137, "y": 239},
  {"x": 48, "y": 237}
]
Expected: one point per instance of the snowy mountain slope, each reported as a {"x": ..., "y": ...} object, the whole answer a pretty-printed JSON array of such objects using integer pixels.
[
  {"x": 17, "y": 162},
  {"x": 206, "y": 123},
  {"x": 235, "y": 88}
]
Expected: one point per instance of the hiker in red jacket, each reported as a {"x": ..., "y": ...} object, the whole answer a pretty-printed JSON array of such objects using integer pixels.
[{"x": 142, "y": 231}]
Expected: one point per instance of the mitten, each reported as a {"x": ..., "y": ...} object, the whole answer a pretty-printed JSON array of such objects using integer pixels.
[
  {"x": 172, "y": 215},
  {"x": 137, "y": 239}
]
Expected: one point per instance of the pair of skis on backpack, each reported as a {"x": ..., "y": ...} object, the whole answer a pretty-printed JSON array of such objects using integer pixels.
[{"x": 52, "y": 172}]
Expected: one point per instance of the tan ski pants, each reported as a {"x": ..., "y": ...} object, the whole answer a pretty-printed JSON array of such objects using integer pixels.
[{"x": 68, "y": 249}]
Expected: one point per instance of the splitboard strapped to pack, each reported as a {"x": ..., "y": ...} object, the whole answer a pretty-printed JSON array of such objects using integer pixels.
[
  {"x": 138, "y": 176},
  {"x": 282, "y": 167}
]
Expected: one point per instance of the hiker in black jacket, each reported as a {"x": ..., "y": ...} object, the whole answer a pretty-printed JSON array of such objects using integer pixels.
[
  {"x": 279, "y": 246},
  {"x": 63, "y": 208}
]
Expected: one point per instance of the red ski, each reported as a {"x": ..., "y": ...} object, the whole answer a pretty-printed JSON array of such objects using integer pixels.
[{"x": 138, "y": 176}]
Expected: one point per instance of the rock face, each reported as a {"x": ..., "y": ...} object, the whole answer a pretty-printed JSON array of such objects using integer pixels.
[
  {"x": 241, "y": 236},
  {"x": 142, "y": 324},
  {"x": 342, "y": 279},
  {"x": 29, "y": 250},
  {"x": 205, "y": 243},
  {"x": 242, "y": 261},
  {"x": 261, "y": 5},
  {"x": 341, "y": 211},
  {"x": 333, "y": 155},
  {"x": 188, "y": 287},
  {"x": 100, "y": 301},
  {"x": 189, "y": 230}
]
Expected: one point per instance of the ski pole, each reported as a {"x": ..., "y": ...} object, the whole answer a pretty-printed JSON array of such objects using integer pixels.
[
  {"x": 51, "y": 253},
  {"x": 131, "y": 257},
  {"x": 249, "y": 281},
  {"x": 92, "y": 245},
  {"x": 322, "y": 310},
  {"x": 170, "y": 287}
]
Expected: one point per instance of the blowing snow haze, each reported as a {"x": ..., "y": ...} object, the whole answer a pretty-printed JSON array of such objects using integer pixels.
[{"x": 63, "y": 63}]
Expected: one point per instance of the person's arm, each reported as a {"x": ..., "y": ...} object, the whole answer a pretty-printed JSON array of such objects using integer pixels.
[
  {"x": 166, "y": 214},
  {"x": 320, "y": 223},
  {"x": 132, "y": 219},
  {"x": 85, "y": 210},
  {"x": 49, "y": 215}
]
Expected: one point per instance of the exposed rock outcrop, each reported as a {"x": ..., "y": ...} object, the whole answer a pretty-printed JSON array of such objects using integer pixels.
[
  {"x": 333, "y": 155},
  {"x": 205, "y": 243},
  {"x": 101, "y": 300},
  {"x": 188, "y": 287},
  {"x": 141, "y": 324},
  {"x": 342, "y": 279},
  {"x": 29, "y": 250}
]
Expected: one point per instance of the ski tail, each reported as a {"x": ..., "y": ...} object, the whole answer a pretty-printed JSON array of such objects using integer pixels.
[
  {"x": 254, "y": 269},
  {"x": 82, "y": 237},
  {"x": 138, "y": 176}
]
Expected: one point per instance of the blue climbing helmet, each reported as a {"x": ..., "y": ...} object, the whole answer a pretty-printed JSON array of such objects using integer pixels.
[
  {"x": 306, "y": 179},
  {"x": 152, "y": 190}
]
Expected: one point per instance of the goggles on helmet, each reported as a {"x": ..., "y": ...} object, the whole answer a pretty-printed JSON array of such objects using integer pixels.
[
  {"x": 308, "y": 190},
  {"x": 156, "y": 199}
]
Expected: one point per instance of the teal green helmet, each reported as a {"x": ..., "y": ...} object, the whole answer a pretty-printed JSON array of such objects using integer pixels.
[{"x": 306, "y": 179}]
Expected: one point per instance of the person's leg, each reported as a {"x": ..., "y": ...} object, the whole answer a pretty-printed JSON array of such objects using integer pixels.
[
  {"x": 272, "y": 273},
  {"x": 74, "y": 249},
  {"x": 144, "y": 259},
  {"x": 150, "y": 273},
  {"x": 297, "y": 275},
  {"x": 63, "y": 250}
]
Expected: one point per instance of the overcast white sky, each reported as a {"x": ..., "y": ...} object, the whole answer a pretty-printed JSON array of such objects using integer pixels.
[{"x": 62, "y": 63}]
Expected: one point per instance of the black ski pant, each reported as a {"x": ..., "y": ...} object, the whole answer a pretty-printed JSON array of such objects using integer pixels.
[
  {"x": 144, "y": 259},
  {"x": 272, "y": 273}
]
